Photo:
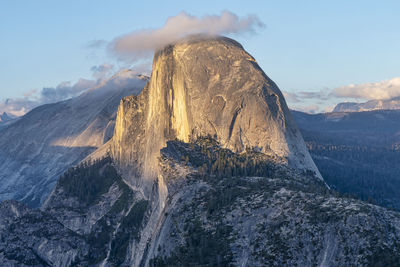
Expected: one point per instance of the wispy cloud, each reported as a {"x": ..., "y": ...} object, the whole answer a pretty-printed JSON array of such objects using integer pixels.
[
  {"x": 323, "y": 94},
  {"x": 96, "y": 43},
  {"x": 142, "y": 43},
  {"x": 291, "y": 97},
  {"x": 312, "y": 109},
  {"x": 368, "y": 91},
  {"x": 17, "y": 106},
  {"x": 311, "y": 101},
  {"x": 33, "y": 98},
  {"x": 103, "y": 71},
  {"x": 326, "y": 99},
  {"x": 66, "y": 90},
  {"x": 296, "y": 97}
]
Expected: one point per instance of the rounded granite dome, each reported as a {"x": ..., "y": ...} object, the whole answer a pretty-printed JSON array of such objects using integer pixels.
[{"x": 204, "y": 85}]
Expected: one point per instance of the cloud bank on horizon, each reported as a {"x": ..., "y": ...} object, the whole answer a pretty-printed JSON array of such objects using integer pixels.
[
  {"x": 20, "y": 106},
  {"x": 325, "y": 100},
  {"x": 382, "y": 90},
  {"x": 142, "y": 44},
  {"x": 65, "y": 90}
]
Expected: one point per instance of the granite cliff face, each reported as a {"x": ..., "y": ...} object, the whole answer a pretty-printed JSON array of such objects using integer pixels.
[
  {"x": 222, "y": 208},
  {"x": 205, "y": 168},
  {"x": 199, "y": 87}
]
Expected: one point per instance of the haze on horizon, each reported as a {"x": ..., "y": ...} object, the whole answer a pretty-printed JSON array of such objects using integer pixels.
[{"x": 318, "y": 53}]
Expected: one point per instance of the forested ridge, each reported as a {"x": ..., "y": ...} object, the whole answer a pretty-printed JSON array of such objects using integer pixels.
[{"x": 357, "y": 153}]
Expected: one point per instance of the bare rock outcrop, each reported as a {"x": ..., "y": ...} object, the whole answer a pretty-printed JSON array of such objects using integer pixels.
[
  {"x": 206, "y": 168},
  {"x": 205, "y": 86},
  {"x": 38, "y": 147}
]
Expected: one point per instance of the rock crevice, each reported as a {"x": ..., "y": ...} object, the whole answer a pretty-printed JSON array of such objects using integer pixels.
[{"x": 205, "y": 86}]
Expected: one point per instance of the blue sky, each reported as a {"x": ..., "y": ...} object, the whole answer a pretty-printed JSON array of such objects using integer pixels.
[{"x": 306, "y": 46}]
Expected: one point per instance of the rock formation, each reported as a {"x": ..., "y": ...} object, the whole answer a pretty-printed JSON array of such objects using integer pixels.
[
  {"x": 205, "y": 86},
  {"x": 38, "y": 147},
  {"x": 5, "y": 117},
  {"x": 269, "y": 215},
  {"x": 205, "y": 168}
]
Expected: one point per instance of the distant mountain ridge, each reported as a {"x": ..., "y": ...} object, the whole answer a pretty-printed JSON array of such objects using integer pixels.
[
  {"x": 393, "y": 103},
  {"x": 357, "y": 153},
  {"x": 191, "y": 94},
  {"x": 206, "y": 167},
  {"x": 38, "y": 147},
  {"x": 5, "y": 118}
]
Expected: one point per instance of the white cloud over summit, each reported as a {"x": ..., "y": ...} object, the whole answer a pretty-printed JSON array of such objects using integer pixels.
[
  {"x": 131, "y": 48},
  {"x": 142, "y": 43},
  {"x": 136, "y": 47}
]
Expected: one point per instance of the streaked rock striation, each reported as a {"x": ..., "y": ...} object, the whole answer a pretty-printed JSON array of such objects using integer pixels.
[
  {"x": 205, "y": 86},
  {"x": 205, "y": 168}
]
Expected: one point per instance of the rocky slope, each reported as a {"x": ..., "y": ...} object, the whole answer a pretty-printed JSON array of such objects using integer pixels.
[
  {"x": 206, "y": 168},
  {"x": 222, "y": 209},
  {"x": 5, "y": 118},
  {"x": 393, "y": 103},
  {"x": 37, "y": 148},
  {"x": 33, "y": 238},
  {"x": 202, "y": 86},
  {"x": 274, "y": 217}
]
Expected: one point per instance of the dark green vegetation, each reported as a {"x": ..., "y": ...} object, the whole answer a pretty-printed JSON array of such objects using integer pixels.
[
  {"x": 370, "y": 174},
  {"x": 129, "y": 228},
  {"x": 259, "y": 212},
  {"x": 200, "y": 247},
  {"x": 89, "y": 180},
  {"x": 357, "y": 153},
  {"x": 280, "y": 215},
  {"x": 208, "y": 242},
  {"x": 384, "y": 257},
  {"x": 211, "y": 160}
]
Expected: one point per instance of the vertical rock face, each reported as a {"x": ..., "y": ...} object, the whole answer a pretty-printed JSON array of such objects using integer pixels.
[
  {"x": 205, "y": 86},
  {"x": 155, "y": 202}
]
